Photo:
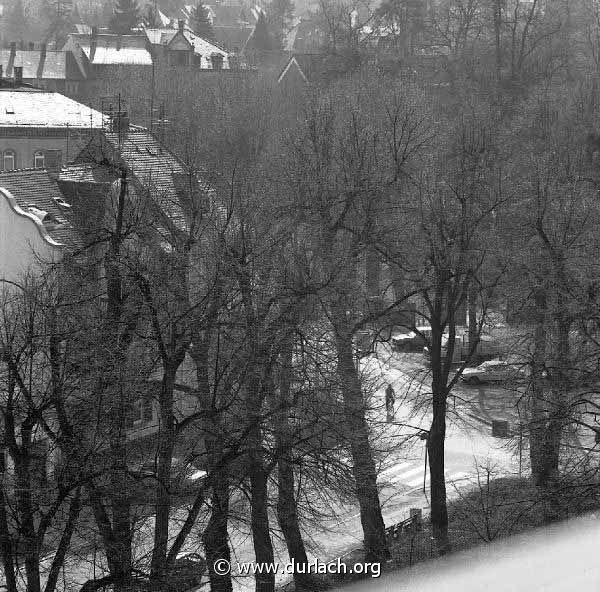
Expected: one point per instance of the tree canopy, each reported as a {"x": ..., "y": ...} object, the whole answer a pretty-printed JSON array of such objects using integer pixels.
[{"x": 126, "y": 16}]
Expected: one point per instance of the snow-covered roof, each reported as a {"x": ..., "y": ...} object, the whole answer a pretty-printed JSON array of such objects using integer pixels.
[
  {"x": 109, "y": 49},
  {"x": 33, "y": 108},
  {"x": 201, "y": 46},
  {"x": 60, "y": 65}
]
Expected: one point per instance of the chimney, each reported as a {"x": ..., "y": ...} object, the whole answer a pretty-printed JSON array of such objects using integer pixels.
[
  {"x": 31, "y": 46},
  {"x": 217, "y": 61},
  {"x": 42, "y": 62},
  {"x": 180, "y": 25},
  {"x": 93, "y": 42},
  {"x": 53, "y": 162},
  {"x": 18, "y": 75},
  {"x": 234, "y": 61},
  {"x": 120, "y": 122}
]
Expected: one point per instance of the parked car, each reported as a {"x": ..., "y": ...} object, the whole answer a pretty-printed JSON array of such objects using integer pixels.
[
  {"x": 493, "y": 371},
  {"x": 186, "y": 478},
  {"x": 408, "y": 341},
  {"x": 487, "y": 349}
]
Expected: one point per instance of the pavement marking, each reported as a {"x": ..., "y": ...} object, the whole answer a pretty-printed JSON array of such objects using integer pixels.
[
  {"x": 395, "y": 469},
  {"x": 458, "y": 480},
  {"x": 449, "y": 477},
  {"x": 406, "y": 474},
  {"x": 460, "y": 476},
  {"x": 417, "y": 481}
]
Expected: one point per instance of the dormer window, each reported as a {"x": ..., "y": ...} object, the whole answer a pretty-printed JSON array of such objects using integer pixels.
[
  {"x": 39, "y": 160},
  {"x": 44, "y": 217},
  {"x": 9, "y": 160},
  {"x": 61, "y": 203}
]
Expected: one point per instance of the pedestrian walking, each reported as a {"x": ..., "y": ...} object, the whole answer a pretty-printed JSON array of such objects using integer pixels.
[{"x": 390, "y": 400}]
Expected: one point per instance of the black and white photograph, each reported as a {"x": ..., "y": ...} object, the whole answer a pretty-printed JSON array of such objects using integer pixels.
[{"x": 299, "y": 295}]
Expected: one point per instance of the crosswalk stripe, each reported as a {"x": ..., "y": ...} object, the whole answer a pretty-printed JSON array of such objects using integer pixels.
[
  {"x": 419, "y": 481},
  {"x": 395, "y": 469},
  {"x": 406, "y": 474},
  {"x": 450, "y": 478}
]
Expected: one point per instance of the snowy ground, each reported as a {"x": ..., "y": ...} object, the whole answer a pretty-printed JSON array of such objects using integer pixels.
[{"x": 562, "y": 558}]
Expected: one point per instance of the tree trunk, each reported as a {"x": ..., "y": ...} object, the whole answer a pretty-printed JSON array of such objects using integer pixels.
[
  {"x": 120, "y": 545},
  {"x": 436, "y": 449},
  {"x": 259, "y": 511},
  {"x": 286, "y": 502},
  {"x": 6, "y": 546},
  {"x": 166, "y": 445},
  {"x": 538, "y": 398},
  {"x": 26, "y": 508},
  {"x": 215, "y": 537},
  {"x": 473, "y": 326},
  {"x": 440, "y": 368},
  {"x": 363, "y": 466}
]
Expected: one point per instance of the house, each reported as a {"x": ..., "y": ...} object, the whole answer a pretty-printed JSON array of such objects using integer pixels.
[
  {"x": 58, "y": 71},
  {"x": 35, "y": 225},
  {"x": 232, "y": 22},
  {"x": 45, "y": 213},
  {"x": 181, "y": 47},
  {"x": 38, "y": 125},
  {"x": 233, "y": 37},
  {"x": 302, "y": 70},
  {"x": 165, "y": 194},
  {"x": 102, "y": 51}
]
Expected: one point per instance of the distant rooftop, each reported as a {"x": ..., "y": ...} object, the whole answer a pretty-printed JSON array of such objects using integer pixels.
[
  {"x": 108, "y": 49},
  {"x": 22, "y": 107},
  {"x": 60, "y": 65},
  {"x": 203, "y": 47}
]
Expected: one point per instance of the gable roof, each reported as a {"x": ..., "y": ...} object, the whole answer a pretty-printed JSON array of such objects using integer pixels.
[
  {"x": 35, "y": 108},
  {"x": 107, "y": 49},
  {"x": 233, "y": 37},
  {"x": 35, "y": 188},
  {"x": 201, "y": 46},
  {"x": 309, "y": 66},
  {"x": 56, "y": 65},
  {"x": 154, "y": 170},
  {"x": 314, "y": 68}
]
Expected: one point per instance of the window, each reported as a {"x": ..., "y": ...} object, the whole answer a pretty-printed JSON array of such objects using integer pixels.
[
  {"x": 9, "y": 160},
  {"x": 39, "y": 160},
  {"x": 141, "y": 411}
]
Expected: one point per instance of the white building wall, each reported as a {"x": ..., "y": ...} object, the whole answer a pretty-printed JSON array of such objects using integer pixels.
[{"x": 24, "y": 242}]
